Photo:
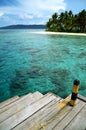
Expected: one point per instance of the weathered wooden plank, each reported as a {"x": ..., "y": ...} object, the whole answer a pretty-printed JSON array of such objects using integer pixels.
[
  {"x": 25, "y": 113},
  {"x": 75, "y": 110},
  {"x": 14, "y": 103},
  {"x": 9, "y": 101},
  {"x": 79, "y": 122},
  {"x": 19, "y": 105},
  {"x": 40, "y": 123},
  {"x": 38, "y": 116},
  {"x": 37, "y": 95},
  {"x": 59, "y": 116},
  {"x": 48, "y": 116},
  {"x": 82, "y": 98}
]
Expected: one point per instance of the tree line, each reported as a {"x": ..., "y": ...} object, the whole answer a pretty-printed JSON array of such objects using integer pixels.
[{"x": 67, "y": 22}]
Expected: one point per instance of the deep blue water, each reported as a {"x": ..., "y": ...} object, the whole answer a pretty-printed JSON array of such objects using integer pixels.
[{"x": 35, "y": 62}]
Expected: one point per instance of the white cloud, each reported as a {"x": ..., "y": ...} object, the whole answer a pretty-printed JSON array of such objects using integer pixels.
[
  {"x": 36, "y": 7},
  {"x": 41, "y": 8},
  {"x": 37, "y": 10},
  {"x": 1, "y": 13},
  {"x": 43, "y": 5},
  {"x": 26, "y": 16}
]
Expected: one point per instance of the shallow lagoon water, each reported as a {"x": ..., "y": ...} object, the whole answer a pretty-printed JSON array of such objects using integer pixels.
[{"x": 32, "y": 62}]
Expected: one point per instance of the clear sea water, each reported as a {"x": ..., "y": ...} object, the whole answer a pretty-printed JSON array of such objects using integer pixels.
[{"x": 32, "y": 62}]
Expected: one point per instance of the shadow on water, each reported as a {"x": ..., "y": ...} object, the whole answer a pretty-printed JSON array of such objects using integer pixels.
[
  {"x": 2, "y": 63},
  {"x": 19, "y": 82},
  {"x": 30, "y": 51},
  {"x": 23, "y": 81},
  {"x": 82, "y": 66},
  {"x": 59, "y": 78},
  {"x": 82, "y": 54}
]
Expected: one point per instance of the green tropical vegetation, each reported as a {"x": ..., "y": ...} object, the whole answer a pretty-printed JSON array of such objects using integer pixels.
[{"x": 67, "y": 22}]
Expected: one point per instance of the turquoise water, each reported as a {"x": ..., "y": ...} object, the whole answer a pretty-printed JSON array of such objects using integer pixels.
[{"x": 35, "y": 62}]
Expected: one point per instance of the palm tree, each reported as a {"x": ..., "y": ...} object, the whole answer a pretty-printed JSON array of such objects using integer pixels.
[
  {"x": 70, "y": 20},
  {"x": 62, "y": 21},
  {"x": 82, "y": 21},
  {"x": 52, "y": 23},
  {"x": 67, "y": 22},
  {"x": 75, "y": 24},
  {"x": 49, "y": 24},
  {"x": 54, "y": 18}
]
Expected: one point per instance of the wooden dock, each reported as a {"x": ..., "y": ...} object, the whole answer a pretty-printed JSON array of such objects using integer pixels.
[{"x": 42, "y": 112}]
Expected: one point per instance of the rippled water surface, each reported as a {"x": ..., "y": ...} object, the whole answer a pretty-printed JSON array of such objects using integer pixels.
[{"x": 36, "y": 62}]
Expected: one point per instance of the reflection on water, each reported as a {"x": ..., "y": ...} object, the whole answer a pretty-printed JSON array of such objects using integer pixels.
[{"x": 35, "y": 62}]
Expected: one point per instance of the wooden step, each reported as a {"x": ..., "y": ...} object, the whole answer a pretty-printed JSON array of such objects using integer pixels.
[
  {"x": 58, "y": 117},
  {"x": 40, "y": 121},
  {"x": 69, "y": 117},
  {"x": 79, "y": 122},
  {"x": 37, "y": 117},
  {"x": 15, "y": 107},
  {"x": 49, "y": 124},
  {"x": 47, "y": 114},
  {"x": 9, "y": 101},
  {"x": 37, "y": 95},
  {"x": 20, "y": 116},
  {"x": 20, "y": 104},
  {"x": 13, "y": 103}
]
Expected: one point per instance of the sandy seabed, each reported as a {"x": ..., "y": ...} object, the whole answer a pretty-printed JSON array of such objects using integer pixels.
[{"x": 61, "y": 33}]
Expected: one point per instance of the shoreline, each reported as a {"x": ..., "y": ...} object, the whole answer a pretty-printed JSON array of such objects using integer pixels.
[{"x": 61, "y": 33}]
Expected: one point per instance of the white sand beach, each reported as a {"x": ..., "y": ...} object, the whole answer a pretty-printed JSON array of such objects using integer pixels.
[{"x": 61, "y": 33}]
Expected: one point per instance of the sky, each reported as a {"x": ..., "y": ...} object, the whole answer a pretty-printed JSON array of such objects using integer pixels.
[{"x": 27, "y": 12}]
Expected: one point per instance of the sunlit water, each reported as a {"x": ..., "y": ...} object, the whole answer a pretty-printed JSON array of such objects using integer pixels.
[{"x": 35, "y": 62}]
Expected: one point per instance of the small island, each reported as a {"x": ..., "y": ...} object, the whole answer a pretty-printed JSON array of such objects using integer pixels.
[
  {"x": 67, "y": 22},
  {"x": 21, "y": 26}
]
